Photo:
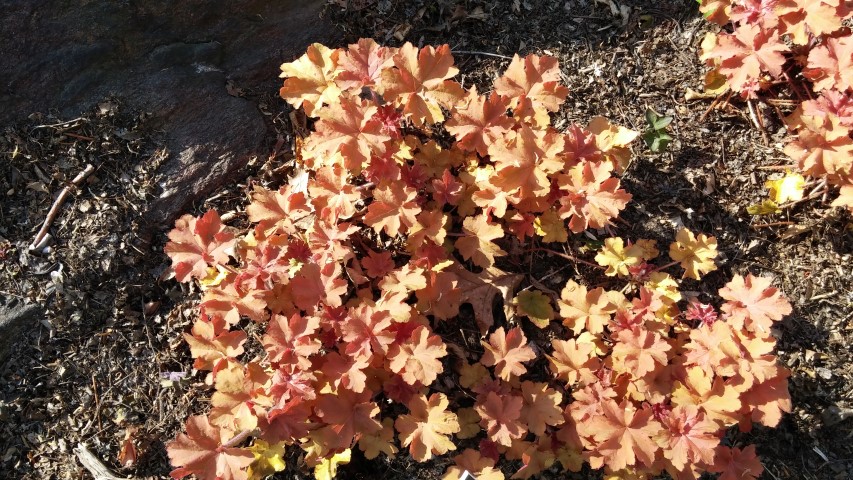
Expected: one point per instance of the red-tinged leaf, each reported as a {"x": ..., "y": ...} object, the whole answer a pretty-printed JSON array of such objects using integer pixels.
[
  {"x": 591, "y": 196},
  {"x": 288, "y": 421},
  {"x": 198, "y": 243},
  {"x": 290, "y": 382},
  {"x": 480, "y": 122},
  {"x": 524, "y": 162},
  {"x": 541, "y": 407},
  {"x": 441, "y": 297},
  {"x": 428, "y": 426},
  {"x": 755, "y": 299},
  {"x": 536, "y": 80},
  {"x": 200, "y": 452},
  {"x": 292, "y": 340},
  {"x": 822, "y": 147},
  {"x": 240, "y": 397},
  {"x": 831, "y": 103},
  {"x": 507, "y": 352},
  {"x": 361, "y": 65},
  {"x": 736, "y": 463},
  {"x": 447, "y": 189},
  {"x": 746, "y": 53},
  {"x": 377, "y": 264},
  {"x": 310, "y": 79},
  {"x": 639, "y": 352},
  {"x": 346, "y": 415},
  {"x": 476, "y": 243},
  {"x": 346, "y": 370},
  {"x": 574, "y": 362},
  {"x": 366, "y": 329},
  {"x": 806, "y": 19},
  {"x": 212, "y": 345},
  {"x": 230, "y": 304},
  {"x": 419, "y": 83},
  {"x": 769, "y": 399},
  {"x": 393, "y": 209},
  {"x": 348, "y": 128},
  {"x": 332, "y": 193},
  {"x": 831, "y": 64},
  {"x": 280, "y": 209},
  {"x": 624, "y": 435},
  {"x": 417, "y": 359},
  {"x": 688, "y": 437},
  {"x": 500, "y": 416}
]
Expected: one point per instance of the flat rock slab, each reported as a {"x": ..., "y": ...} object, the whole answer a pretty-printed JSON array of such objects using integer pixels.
[{"x": 171, "y": 59}]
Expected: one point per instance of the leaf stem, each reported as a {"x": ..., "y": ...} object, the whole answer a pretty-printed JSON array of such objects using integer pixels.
[{"x": 567, "y": 257}]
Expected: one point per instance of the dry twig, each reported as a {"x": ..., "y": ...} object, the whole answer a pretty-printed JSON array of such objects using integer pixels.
[{"x": 60, "y": 199}]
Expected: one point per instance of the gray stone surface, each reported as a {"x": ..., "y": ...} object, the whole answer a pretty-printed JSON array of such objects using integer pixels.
[
  {"x": 16, "y": 319},
  {"x": 169, "y": 58}
]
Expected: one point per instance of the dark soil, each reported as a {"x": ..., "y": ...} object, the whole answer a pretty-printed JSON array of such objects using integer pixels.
[{"x": 90, "y": 370}]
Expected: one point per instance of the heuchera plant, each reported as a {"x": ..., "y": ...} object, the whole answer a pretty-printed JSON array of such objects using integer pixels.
[
  {"x": 804, "y": 45},
  {"x": 412, "y": 189}
]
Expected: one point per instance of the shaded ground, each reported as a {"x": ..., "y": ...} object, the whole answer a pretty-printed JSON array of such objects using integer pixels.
[{"x": 90, "y": 369}]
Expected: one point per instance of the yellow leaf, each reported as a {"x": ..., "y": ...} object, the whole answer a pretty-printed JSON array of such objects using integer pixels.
[
  {"x": 536, "y": 306},
  {"x": 617, "y": 258},
  {"x": 469, "y": 423},
  {"x": 268, "y": 459},
  {"x": 788, "y": 188},
  {"x": 381, "y": 441},
  {"x": 696, "y": 253},
  {"x": 328, "y": 467},
  {"x": 215, "y": 276},
  {"x": 551, "y": 227},
  {"x": 715, "y": 82},
  {"x": 767, "y": 207}
]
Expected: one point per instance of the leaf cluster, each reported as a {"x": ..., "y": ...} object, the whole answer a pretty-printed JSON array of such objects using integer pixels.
[
  {"x": 806, "y": 45},
  {"x": 411, "y": 190}
]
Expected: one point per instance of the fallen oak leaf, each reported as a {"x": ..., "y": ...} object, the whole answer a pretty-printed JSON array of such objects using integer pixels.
[{"x": 480, "y": 289}]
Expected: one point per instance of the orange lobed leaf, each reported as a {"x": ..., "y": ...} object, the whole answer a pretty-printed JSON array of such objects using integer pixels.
[
  {"x": 361, "y": 65},
  {"x": 346, "y": 132},
  {"x": 624, "y": 436},
  {"x": 212, "y": 345},
  {"x": 757, "y": 301},
  {"x": 533, "y": 84},
  {"x": 394, "y": 208},
  {"x": 574, "y": 361},
  {"x": 507, "y": 352},
  {"x": 830, "y": 66},
  {"x": 639, "y": 352},
  {"x": 745, "y": 53},
  {"x": 591, "y": 196},
  {"x": 688, "y": 437},
  {"x": 278, "y": 209},
  {"x": 420, "y": 82},
  {"x": 541, "y": 406},
  {"x": 310, "y": 79},
  {"x": 476, "y": 243},
  {"x": 346, "y": 415},
  {"x": 500, "y": 416},
  {"x": 200, "y": 452},
  {"x": 426, "y": 429},
  {"x": 736, "y": 463},
  {"x": 417, "y": 359},
  {"x": 198, "y": 243},
  {"x": 582, "y": 309},
  {"x": 481, "y": 122}
]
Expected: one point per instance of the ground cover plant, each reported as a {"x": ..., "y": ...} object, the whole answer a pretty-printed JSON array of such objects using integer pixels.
[
  {"x": 792, "y": 53},
  {"x": 414, "y": 196}
]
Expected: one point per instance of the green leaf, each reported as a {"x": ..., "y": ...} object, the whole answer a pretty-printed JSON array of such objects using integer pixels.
[
  {"x": 767, "y": 207},
  {"x": 536, "y": 306}
]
